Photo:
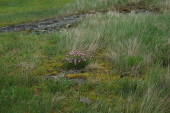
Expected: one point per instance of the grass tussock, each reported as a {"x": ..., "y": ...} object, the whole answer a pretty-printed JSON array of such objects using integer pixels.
[{"x": 91, "y": 6}]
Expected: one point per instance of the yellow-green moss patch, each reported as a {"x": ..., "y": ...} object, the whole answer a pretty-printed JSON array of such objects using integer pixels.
[
  {"x": 49, "y": 66},
  {"x": 78, "y": 76}
]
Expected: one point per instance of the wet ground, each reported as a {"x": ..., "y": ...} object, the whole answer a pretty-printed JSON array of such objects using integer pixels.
[
  {"x": 43, "y": 26},
  {"x": 55, "y": 24}
]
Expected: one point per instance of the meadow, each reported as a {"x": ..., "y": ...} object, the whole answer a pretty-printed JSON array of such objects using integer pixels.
[{"x": 130, "y": 71}]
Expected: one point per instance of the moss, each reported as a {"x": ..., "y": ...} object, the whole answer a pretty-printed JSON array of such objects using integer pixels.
[
  {"x": 78, "y": 76},
  {"x": 104, "y": 73},
  {"x": 49, "y": 66},
  {"x": 93, "y": 96}
]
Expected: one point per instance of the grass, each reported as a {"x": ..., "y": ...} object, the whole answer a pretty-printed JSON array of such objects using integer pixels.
[
  {"x": 19, "y": 11},
  {"x": 91, "y": 6},
  {"x": 130, "y": 72}
]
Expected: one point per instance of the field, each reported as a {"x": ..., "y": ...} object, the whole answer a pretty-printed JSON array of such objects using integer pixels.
[{"x": 130, "y": 71}]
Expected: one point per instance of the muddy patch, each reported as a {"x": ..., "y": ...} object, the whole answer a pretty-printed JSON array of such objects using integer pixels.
[
  {"x": 43, "y": 26},
  {"x": 138, "y": 8}
]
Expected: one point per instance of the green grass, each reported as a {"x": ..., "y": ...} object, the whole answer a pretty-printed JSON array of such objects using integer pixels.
[
  {"x": 86, "y": 6},
  {"x": 130, "y": 72},
  {"x": 19, "y": 11}
]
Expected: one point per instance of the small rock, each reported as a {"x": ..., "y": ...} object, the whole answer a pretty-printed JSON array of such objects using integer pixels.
[
  {"x": 62, "y": 74},
  {"x": 85, "y": 100},
  {"x": 59, "y": 98},
  {"x": 73, "y": 72},
  {"x": 53, "y": 77},
  {"x": 67, "y": 25}
]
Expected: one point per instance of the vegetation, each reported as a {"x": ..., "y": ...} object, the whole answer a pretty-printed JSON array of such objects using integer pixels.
[
  {"x": 77, "y": 59},
  {"x": 130, "y": 72},
  {"x": 22, "y": 11}
]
